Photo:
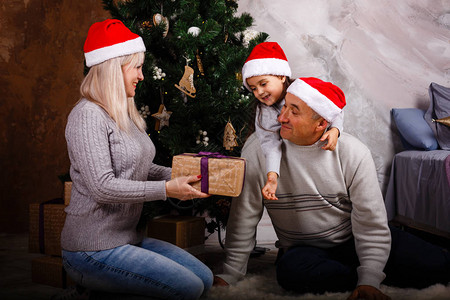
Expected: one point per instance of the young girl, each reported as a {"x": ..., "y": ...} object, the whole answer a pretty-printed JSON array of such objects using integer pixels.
[
  {"x": 266, "y": 73},
  {"x": 113, "y": 174}
]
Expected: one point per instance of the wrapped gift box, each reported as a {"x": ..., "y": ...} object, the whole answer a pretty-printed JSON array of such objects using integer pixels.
[
  {"x": 49, "y": 270},
  {"x": 67, "y": 192},
  {"x": 221, "y": 175},
  {"x": 183, "y": 231},
  {"x": 46, "y": 223}
]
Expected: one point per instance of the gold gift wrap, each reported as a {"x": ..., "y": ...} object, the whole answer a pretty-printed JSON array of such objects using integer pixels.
[
  {"x": 67, "y": 192},
  {"x": 46, "y": 223},
  {"x": 49, "y": 270},
  {"x": 221, "y": 175},
  {"x": 183, "y": 231}
]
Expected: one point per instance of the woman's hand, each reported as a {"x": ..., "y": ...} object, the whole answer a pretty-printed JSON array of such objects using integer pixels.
[{"x": 181, "y": 189}]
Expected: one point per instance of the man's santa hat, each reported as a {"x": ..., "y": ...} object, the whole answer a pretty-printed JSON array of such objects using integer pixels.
[
  {"x": 323, "y": 97},
  {"x": 265, "y": 59},
  {"x": 109, "y": 39}
]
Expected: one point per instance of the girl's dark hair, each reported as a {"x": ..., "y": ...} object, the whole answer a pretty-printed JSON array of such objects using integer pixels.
[{"x": 258, "y": 118}]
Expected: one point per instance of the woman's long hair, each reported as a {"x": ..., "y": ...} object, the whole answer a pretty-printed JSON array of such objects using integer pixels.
[{"x": 104, "y": 85}]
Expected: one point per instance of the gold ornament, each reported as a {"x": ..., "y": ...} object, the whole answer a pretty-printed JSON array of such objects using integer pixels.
[
  {"x": 445, "y": 121},
  {"x": 200, "y": 64},
  {"x": 229, "y": 137},
  {"x": 186, "y": 84},
  {"x": 146, "y": 24},
  {"x": 239, "y": 76},
  {"x": 162, "y": 117},
  {"x": 158, "y": 19}
]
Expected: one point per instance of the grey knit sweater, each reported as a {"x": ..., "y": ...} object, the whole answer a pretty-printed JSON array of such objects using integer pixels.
[
  {"x": 325, "y": 198},
  {"x": 113, "y": 175}
]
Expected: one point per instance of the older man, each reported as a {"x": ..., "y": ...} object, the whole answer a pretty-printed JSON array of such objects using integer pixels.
[{"x": 330, "y": 218}]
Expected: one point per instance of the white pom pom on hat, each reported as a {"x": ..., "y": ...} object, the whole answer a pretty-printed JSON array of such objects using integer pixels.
[
  {"x": 109, "y": 39},
  {"x": 323, "y": 97},
  {"x": 265, "y": 59}
]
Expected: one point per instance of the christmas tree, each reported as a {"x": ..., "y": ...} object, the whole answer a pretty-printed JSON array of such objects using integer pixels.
[{"x": 192, "y": 92}]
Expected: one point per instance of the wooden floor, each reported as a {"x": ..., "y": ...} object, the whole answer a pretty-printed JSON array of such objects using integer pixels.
[
  {"x": 15, "y": 270},
  {"x": 15, "y": 267}
]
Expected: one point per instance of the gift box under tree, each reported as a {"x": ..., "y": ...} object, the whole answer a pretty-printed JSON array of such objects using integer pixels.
[
  {"x": 46, "y": 223},
  {"x": 183, "y": 231},
  {"x": 49, "y": 270}
]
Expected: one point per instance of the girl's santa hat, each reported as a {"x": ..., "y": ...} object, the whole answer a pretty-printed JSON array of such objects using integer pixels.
[
  {"x": 323, "y": 97},
  {"x": 109, "y": 39},
  {"x": 265, "y": 59}
]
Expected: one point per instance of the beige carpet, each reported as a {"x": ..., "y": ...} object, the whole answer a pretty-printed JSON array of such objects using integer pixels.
[{"x": 260, "y": 284}]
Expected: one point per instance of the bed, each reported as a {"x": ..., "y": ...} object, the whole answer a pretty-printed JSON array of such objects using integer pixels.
[{"x": 418, "y": 193}]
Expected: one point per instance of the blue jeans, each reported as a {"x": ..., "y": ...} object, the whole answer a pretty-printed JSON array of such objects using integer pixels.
[{"x": 152, "y": 268}]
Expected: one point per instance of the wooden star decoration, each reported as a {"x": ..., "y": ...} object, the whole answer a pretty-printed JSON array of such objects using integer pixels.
[{"x": 162, "y": 117}]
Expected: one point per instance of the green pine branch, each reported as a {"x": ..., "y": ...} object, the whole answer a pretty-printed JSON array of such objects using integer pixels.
[{"x": 220, "y": 97}]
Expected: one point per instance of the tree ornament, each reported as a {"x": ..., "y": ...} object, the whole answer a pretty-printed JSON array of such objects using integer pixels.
[
  {"x": 244, "y": 99},
  {"x": 248, "y": 35},
  {"x": 146, "y": 24},
  {"x": 202, "y": 138},
  {"x": 445, "y": 121},
  {"x": 162, "y": 117},
  {"x": 186, "y": 84},
  {"x": 144, "y": 111},
  {"x": 194, "y": 31},
  {"x": 229, "y": 137},
  {"x": 200, "y": 64},
  {"x": 158, "y": 74},
  {"x": 239, "y": 76},
  {"x": 158, "y": 19}
]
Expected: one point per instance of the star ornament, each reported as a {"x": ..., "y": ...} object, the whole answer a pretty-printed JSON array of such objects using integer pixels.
[{"x": 162, "y": 117}]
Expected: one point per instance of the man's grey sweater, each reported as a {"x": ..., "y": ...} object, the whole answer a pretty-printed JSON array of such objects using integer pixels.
[{"x": 325, "y": 198}]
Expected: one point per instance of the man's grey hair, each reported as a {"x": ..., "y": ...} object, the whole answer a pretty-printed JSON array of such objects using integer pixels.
[{"x": 316, "y": 116}]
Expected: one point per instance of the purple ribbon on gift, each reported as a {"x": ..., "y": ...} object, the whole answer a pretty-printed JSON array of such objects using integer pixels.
[{"x": 204, "y": 167}]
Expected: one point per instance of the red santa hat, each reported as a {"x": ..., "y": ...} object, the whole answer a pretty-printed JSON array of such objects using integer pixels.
[
  {"x": 109, "y": 39},
  {"x": 265, "y": 59},
  {"x": 323, "y": 97}
]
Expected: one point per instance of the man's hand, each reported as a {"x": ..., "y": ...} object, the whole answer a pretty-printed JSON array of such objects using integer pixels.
[
  {"x": 219, "y": 282},
  {"x": 367, "y": 292}
]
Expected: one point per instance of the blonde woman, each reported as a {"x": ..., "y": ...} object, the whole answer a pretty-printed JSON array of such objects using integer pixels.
[{"x": 113, "y": 175}]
